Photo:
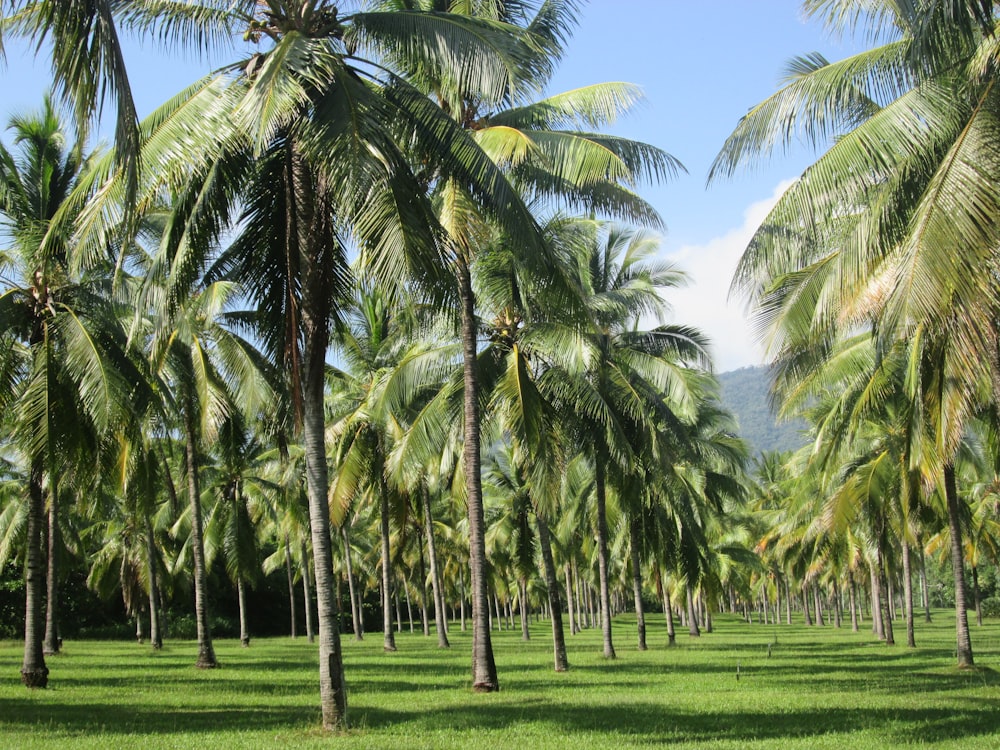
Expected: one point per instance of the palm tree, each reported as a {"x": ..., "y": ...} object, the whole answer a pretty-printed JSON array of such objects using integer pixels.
[
  {"x": 894, "y": 225},
  {"x": 66, "y": 377}
]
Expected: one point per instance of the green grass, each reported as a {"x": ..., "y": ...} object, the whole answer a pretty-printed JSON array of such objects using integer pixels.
[{"x": 819, "y": 688}]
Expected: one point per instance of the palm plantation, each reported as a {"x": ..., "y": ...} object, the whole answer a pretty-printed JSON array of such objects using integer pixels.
[{"x": 331, "y": 317}]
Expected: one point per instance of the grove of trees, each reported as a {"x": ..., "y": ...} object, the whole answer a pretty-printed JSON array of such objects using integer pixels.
[{"x": 370, "y": 316}]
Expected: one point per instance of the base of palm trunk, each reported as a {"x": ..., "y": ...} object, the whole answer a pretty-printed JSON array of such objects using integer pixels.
[
  {"x": 486, "y": 687},
  {"x": 35, "y": 678},
  {"x": 206, "y": 662}
]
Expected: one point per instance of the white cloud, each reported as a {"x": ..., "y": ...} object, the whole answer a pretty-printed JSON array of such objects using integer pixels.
[{"x": 705, "y": 302}]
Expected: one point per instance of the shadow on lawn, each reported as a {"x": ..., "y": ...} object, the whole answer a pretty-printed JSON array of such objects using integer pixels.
[{"x": 650, "y": 723}]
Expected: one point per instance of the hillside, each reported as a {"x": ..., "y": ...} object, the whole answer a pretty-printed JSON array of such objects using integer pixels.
[{"x": 745, "y": 394}]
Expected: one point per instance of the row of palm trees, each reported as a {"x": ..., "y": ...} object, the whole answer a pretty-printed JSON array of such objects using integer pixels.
[
  {"x": 874, "y": 276},
  {"x": 385, "y": 185},
  {"x": 406, "y": 136}
]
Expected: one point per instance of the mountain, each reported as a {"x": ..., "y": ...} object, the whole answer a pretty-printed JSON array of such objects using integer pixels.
[{"x": 745, "y": 393}]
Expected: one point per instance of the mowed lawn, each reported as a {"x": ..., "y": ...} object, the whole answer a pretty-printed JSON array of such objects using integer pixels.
[{"x": 817, "y": 688}]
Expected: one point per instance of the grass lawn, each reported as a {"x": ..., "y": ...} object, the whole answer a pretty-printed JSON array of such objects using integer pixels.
[{"x": 818, "y": 688}]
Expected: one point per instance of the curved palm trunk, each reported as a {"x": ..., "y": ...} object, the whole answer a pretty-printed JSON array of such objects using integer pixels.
[
  {"x": 602, "y": 557},
  {"x": 963, "y": 641},
  {"x": 351, "y": 586},
  {"x": 640, "y": 615},
  {"x": 484, "y": 670},
  {"x": 155, "y": 633},
  {"x": 561, "y": 661},
  {"x": 50, "y": 643},
  {"x": 206, "y": 652},
  {"x": 34, "y": 673},
  {"x": 439, "y": 611},
  {"x": 388, "y": 636}
]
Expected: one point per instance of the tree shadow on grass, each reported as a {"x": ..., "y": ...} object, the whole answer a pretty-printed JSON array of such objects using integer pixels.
[{"x": 650, "y": 723}]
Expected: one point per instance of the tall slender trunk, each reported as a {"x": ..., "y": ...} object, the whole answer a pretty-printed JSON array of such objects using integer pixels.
[
  {"x": 602, "y": 556},
  {"x": 976, "y": 596},
  {"x": 788, "y": 603},
  {"x": 50, "y": 642},
  {"x": 291, "y": 587},
  {"x": 439, "y": 605},
  {"x": 569, "y": 600},
  {"x": 887, "y": 626},
  {"x": 484, "y": 669},
  {"x": 818, "y": 605},
  {"x": 461, "y": 600},
  {"x": 409, "y": 604},
  {"x": 852, "y": 591},
  {"x": 925, "y": 591},
  {"x": 307, "y": 594},
  {"x": 640, "y": 615},
  {"x": 908, "y": 596},
  {"x": 206, "y": 652},
  {"x": 691, "y": 616},
  {"x": 359, "y": 629},
  {"x": 388, "y": 638},
  {"x": 155, "y": 631},
  {"x": 878, "y": 626},
  {"x": 423, "y": 593},
  {"x": 668, "y": 611},
  {"x": 244, "y": 628},
  {"x": 805, "y": 603},
  {"x": 963, "y": 642},
  {"x": 560, "y": 660},
  {"x": 34, "y": 673}
]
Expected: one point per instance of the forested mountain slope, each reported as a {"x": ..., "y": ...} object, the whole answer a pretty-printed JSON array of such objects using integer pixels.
[{"x": 745, "y": 394}]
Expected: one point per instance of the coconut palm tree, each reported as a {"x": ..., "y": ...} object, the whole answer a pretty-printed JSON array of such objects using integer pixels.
[
  {"x": 66, "y": 376},
  {"x": 894, "y": 225}
]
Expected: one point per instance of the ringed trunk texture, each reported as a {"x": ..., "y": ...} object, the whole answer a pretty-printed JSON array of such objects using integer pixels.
[
  {"x": 244, "y": 628},
  {"x": 315, "y": 246},
  {"x": 307, "y": 594},
  {"x": 484, "y": 670},
  {"x": 963, "y": 641},
  {"x": 34, "y": 673},
  {"x": 602, "y": 557},
  {"x": 439, "y": 610},
  {"x": 560, "y": 659}
]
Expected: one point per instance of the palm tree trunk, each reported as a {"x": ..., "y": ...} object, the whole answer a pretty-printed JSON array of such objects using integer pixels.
[
  {"x": 484, "y": 669},
  {"x": 976, "y": 596},
  {"x": 461, "y": 600},
  {"x": 352, "y": 586},
  {"x": 819, "y": 606},
  {"x": 439, "y": 605},
  {"x": 602, "y": 556},
  {"x": 206, "y": 653},
  {"x": 924, "y": 589},
  {"x": 388, "y": 638},
  {"x": 908, "y": 596},
  {"x": 155, "y": 631},
  {"x": 244, "y": 629},
  {"x": 878, "y": 627},
  {"x": 409, "y": 604},
  {"x": 668, "y": 611},
  {"x": 50, "y": 642},
  {"x": 640, "y": 615},
  {"x": 522, "y": 599},
  {"x": 887, "y": 596},
  {"x": 307, "y": 593},
  {"x": 805, "y": 603},
  {"x": 291, "y": 586},
  {"x": 423, "y": 593},
  {"x": 691, "y": 616},
  {"x": 852, "y": 591},
  {"x": 573, "y": 630},
  {"x": 333, "y": 697},
  {"x": 963, "y": 641},
  {"x": 34, "y": 673},
  {"x": 788, "y": 603},
  {"x": 560, "y": 660}
]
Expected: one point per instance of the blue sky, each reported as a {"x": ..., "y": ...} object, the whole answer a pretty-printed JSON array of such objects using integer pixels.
[{"x": 701, "y": 66}]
